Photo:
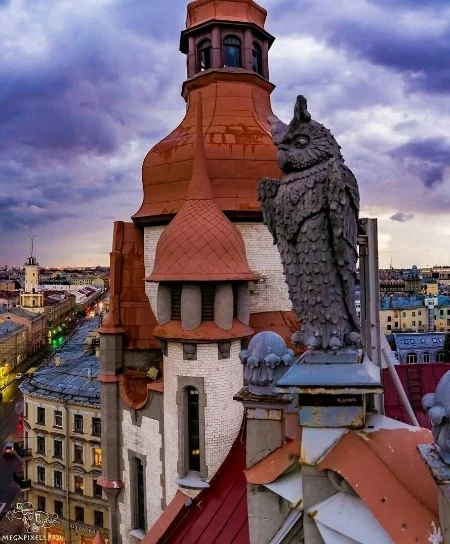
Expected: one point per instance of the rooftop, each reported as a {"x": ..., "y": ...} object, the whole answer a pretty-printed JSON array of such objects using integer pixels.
[
  {"x": 75, "y": 380},
  {"x": 9, "y": 327},
  {"x": 21, "y": 312}
]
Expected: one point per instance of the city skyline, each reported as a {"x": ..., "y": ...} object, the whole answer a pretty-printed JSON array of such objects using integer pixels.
[{"x": 88, "y": 92}]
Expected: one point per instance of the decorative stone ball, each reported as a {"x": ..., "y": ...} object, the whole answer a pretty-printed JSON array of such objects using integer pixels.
[{"x": 265, "y": 357}]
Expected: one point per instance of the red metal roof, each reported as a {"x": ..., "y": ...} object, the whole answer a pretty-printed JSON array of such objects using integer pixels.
[
  {"x": 417, "y": 380},
  {"x": 219, "y": 514}
]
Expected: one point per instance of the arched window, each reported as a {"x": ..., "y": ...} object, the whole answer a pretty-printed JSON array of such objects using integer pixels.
[
  {"x": 257, "y": 58},
  {"x": 426, "y": 357},
  {"x": 411, "y": 358},
  {"x": 440, "y": 357},
  {"x": 232, "y": 52},
  {"x": 204, "y": 50},
  {"x": 193, "y": 428}
]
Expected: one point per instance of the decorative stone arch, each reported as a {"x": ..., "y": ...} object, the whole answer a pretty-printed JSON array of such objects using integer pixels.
[{"x": 184, "y": 382}]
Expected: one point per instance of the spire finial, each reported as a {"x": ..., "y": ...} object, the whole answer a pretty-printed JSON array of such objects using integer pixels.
[
  {"x": 31, "y": 237},
  {"x": 200, "y": 186}
]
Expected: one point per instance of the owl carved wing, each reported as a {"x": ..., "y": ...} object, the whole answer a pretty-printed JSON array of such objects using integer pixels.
[
  {"x": 267, "y": 193},
  {"x": 343, "y": 205}
]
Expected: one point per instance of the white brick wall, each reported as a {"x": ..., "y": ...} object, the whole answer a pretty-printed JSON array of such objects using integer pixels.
[
  {"x": 269, "y": 294},
  {"x": 151, "y": 237},
  {"x": 223, "y": 415},
  {"x": 145, "y": 440}
]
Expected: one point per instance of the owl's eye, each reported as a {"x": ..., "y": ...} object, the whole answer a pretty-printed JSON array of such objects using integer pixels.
[{"x": 302, "y": 141}]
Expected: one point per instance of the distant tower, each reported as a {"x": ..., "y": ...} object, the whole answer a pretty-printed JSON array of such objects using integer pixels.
[
  {"x": 31, "y": 298},
  {"x": 391, "y": 267}
]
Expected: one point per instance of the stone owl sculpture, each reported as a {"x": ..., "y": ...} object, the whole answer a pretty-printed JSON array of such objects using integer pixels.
[{"x": 312, "y": 214}]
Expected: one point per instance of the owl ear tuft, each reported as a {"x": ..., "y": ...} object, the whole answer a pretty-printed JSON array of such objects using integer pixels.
[{"x": 301, "y": 113}]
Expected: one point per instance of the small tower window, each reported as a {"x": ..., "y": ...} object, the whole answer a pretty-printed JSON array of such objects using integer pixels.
[
  {"x": 232, "y": 52},
  {"x": 139, "y": 521},
  {"x": 204, "y": 55},
  {"x": 176, "y": 301},
  {"x": 208, "y": 291},
  {"x": 257, "y": 58},
  {"x": 193, "y": 428}
]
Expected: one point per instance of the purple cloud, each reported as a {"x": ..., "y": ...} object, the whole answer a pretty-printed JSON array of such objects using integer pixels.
[{"x": 401, "y": 217}]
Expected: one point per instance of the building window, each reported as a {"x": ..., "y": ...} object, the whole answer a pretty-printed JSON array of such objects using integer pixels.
[
  {"x": 389, "y": 327},
  {"x": 204, "y": 55},
  {"x": 420, "y": 323},
  {"x": 98, "y": 518},
  {"x": 40, "y": 445},
  {"x": 414, "y": 314},
  {"x": 396, "y": 324},
  {"x": 78, "y": 423},
  {"x": 413, "y": 323},
  {"x": 57, "y": 477},
  {"x": 97, "y": 490},
  {"x": 139, "y": 514},
  {"x": 59, "y": 509},
  {"x": 41, "y": 475},
  {"x": 441, "y": 312},
  {"x": 40, "y": 416},
  {"x": 257, "y": 58},
  {"x": 57, "y": 449},
  {"x": 97, "y": 457},
  {"x": 26, "y": 410},
  {"x": 96, "y": 426},
  {"x": 58, "y": 421},
  {"x": 232, "y": 52},
  {"x": 426, "y": 357},
  {"x": 78, "y": 484},
  {"x": 404, "y": 314},
  {"x": 411, "y": 358},
  {"x": 193, "y": 427},
  {"x": 389, "y": 318},
  {"x": 41, "y": 503},
  {"x": 440, "y": 357},
  {"x": 78, "y": 454},
  {"x": 79, "y": 514},
  {"x": 419, "y": 312}
]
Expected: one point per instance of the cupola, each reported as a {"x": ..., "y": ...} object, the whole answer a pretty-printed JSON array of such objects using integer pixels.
[
  {"x": 227, "y": 51},
  {"x": 200, "y": 263}
]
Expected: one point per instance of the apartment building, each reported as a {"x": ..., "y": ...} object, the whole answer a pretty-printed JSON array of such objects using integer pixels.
[{"x": 61, "y": 448}]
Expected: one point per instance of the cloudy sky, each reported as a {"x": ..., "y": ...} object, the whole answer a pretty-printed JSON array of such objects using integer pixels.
[{"x": 88, "y": 86}]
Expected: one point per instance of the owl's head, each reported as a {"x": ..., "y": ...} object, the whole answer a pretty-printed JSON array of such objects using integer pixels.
[{"x": 304, "y": 142}]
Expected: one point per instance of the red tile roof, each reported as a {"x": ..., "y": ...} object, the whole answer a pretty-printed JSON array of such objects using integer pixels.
[
  {"x": 239, "y": 147},
  {"x": 130, "y": 310},
  {"x": 246, "y": 11},
  {"x": 200, "y": 244},
  {"x": 218, "y": 514}
]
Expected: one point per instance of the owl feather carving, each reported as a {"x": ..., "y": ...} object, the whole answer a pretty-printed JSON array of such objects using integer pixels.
[{"x": 312, "y": 214}]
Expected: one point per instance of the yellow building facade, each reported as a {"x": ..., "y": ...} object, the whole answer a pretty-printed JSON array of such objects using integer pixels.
[{"x": 61, "y": 449}]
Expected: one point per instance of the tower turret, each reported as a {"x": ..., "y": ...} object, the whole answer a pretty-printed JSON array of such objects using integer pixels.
[
  {"x": 32, "y": 299},
  {"x": 203, "y": 312}
]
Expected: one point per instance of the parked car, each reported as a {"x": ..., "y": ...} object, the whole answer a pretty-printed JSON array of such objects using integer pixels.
[
  {"x": 8, "y": 449},
  {"x": 19, "y": 376}
]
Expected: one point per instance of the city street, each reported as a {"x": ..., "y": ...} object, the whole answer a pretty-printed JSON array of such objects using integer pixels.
[{"x": 11, "y": 428}]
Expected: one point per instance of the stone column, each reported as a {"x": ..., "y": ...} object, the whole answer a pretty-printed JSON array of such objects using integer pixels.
[
  {"x": 248, "y": 50},
  {"x": 192, "y": 58},
  {"x": 216, "y": 48},
  {"x": 265, "y": 59}
]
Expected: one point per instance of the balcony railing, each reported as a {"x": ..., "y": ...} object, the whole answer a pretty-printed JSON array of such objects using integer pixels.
[
  {"x": 22, "y": 453},
  {"x": 21, "y": 481}
]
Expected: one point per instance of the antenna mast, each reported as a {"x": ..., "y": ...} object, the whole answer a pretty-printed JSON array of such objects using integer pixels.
[{"x": 31, "y": 237}]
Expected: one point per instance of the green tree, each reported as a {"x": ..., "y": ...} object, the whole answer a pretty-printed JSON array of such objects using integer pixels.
[{"x": 447, "y": 348}]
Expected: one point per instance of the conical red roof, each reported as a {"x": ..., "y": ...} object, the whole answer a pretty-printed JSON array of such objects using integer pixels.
[{"x": 200, "y": 243}]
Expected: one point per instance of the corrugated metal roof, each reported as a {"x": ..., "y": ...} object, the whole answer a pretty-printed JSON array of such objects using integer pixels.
[
  {"x": 218, "y": 514},
  {"x": 9, "y": 327},
  {"x": 75, "y": 380}
]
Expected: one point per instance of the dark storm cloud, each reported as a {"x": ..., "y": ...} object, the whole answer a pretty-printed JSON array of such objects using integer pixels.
[
  {"x": 402, "y": 217},
  {"x": 428, "y": 159}
]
